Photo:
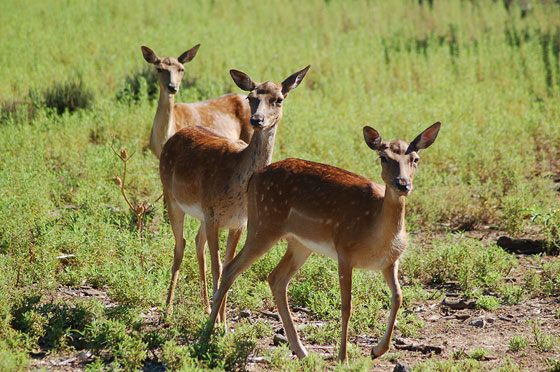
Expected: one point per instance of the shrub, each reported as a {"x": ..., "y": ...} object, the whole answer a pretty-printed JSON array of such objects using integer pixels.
[{"x": 68, "y": 96}]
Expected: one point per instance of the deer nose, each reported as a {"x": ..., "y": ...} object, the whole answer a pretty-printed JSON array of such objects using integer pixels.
[
  {"x": 403, "y": 185},
  {"x": 257, "y": 121},
  {"x": 172, "y": 88}
]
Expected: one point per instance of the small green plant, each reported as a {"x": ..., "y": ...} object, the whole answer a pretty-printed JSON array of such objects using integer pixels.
[
  {"x": 459, "y": 354},
  {"x": 409, "y": 325},
  {"x": 553, "y": 365},
  {"x": 551, "y": 278},
  {"x": 550, "y": 222},
  {"x": 543, "y": 342},
  {"x": 12, "y": 360},
  {"x": 478, "y": 354},
  {"x": 488, "y": 302},
  {"x": 517, "y": 343},
  {"x": 139, "y": 84}
]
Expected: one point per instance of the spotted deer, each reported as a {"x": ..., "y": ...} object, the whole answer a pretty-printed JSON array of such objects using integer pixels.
[
  {"x": 227, "y": 115},
  {"x": 323, "y": 209},
  {"x": 205, "y": 176}
]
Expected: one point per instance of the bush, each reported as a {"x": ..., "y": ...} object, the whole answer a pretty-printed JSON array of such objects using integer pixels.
[
  {"x": 143, "y": 83},
  {"x": 69, "y": 96}
]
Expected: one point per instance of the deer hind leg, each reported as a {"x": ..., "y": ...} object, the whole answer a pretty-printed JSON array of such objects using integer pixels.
[
  {"x": 214, "y": 246},
  {"x": 234, "y": 235},
  {"x": 177, "y": 219},
  {"x": 201, "y": 257},
  {"x": 253, "y": 249},
  {"x": 293, "y": 259},
  {"x": 391, "y": 277},
  {"x": 345, "y": 279}
]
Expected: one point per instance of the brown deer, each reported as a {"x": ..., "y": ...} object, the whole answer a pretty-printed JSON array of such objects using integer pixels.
[
  {"x": 205, "y": 176},
  {"x": 227, "y": 115},
  {"x": 324, "y": 209}
]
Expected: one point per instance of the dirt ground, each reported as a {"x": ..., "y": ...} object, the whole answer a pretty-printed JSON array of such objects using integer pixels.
[{"x": 447, "y": 330}]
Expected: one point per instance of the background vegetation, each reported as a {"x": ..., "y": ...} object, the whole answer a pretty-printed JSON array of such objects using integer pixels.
[{"x": 74, "y": 83}]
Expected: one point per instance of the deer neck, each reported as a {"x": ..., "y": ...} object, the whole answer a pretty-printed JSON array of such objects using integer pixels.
[
  {"x": 164, "y": 121},
  {"x": 393, "y": 212},
  {"x": 258, "y": 154}
]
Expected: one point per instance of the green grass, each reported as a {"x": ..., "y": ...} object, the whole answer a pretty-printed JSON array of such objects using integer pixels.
[{"x": 74, "y": 83}]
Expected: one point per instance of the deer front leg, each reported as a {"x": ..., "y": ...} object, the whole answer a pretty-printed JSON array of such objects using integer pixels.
[
  {"x": 345, "y": 279},
  {"x": 391, "y": 277},
  {"x": 249, "y": 254},
  {"x": 234, "y": 235},
  {"x": 295, "y": 257}
]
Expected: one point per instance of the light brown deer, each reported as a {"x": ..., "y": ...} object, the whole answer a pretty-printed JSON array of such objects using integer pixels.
[
  {"x": 324, "y": 209},
  {"x": 205, "y": 176},
  {"x": 227, "y": 115}
]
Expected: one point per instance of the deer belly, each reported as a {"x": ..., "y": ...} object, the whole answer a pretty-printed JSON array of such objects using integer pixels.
[
  {"x": 193, "y": 210},
  {"x": 326, "y": 248}
]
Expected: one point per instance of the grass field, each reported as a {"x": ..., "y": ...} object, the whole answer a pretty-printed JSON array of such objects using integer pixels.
[{"x": 78, "y": 280}]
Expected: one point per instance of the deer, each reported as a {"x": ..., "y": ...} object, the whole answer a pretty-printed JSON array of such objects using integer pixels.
[
  {"x": 323, "y": 209},
  {"x": 227, "y": 115},
  {"x": 205, "y": 176}
]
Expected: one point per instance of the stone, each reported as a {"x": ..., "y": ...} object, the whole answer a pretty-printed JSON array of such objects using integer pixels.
[{"x": 400, "y": 367}]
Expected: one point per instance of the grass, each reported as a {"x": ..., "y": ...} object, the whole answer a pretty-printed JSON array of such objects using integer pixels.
[{"x": 75, "y": 84}]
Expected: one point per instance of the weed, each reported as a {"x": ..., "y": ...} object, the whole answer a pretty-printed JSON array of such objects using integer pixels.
[
  {"x": 517, "y": 343},
  {"x": 464, "y": 365},
  {"x": 143, "y": 83},
  {"x": 69, "y": 96},
  {"x": 543, "y": 342},
  {"x": 478, "y": 354},
  {"x": 12, "y": 360},
  {"x": 553, "y": 365},
  {"x": 409, "y": 325},
  {"x": 488, "y": 302},
  {"x": 551, "y": 278},
  {"x": 467, "y": 261},
  {"x": 142, "y": 207},
  {"x": 227, "y": 351},
  {"x": 550, "y": 222}
]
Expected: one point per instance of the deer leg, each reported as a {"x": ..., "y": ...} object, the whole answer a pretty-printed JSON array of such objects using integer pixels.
[
  {"x": 201, "y": 257},
  {"x": 214, "y": 246},
  {"x": 345, "y": 280},
  {"x": 249, "y": 254},
  {"x": 177, "y": 219},
  {"x": 234, "y": 235},
  {"x": 293, "y": 259},
  {"x": 391, "y": 277}
]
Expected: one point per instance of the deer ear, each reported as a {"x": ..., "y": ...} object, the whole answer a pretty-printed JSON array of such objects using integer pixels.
[
  {"x": 149, "y": 55},
  {"x": 424, "y": 139},
  {"x": 293, "y": 81},
  {"x": 189, "y": 54},
  {"x": 242, "y": 80},
  {"x": 373, "y": 138}
]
